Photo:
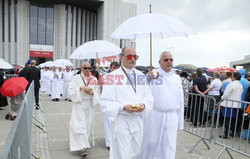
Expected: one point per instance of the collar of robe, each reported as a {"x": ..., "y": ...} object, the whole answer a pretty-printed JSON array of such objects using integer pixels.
[{"x": 82, "y": 76}]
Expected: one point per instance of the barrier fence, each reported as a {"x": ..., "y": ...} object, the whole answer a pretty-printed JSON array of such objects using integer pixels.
[
  {"x": 233, "y": 128},
  {"x": 222, "y": 122},
  {"x": 199, "y": 117},
  {"x": 18, "y": 143}
]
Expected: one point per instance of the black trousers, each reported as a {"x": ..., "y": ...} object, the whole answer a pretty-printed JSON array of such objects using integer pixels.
[
  {"x": 37, "y": 95},
  {"x": 229, "y": 126}
]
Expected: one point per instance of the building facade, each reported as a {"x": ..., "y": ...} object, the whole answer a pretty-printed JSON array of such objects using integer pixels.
[
  {"x": 47, "y": 30},
  {"x": 245, "y": 63}
]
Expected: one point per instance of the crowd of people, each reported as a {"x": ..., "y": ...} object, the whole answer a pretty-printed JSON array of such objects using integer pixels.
[
  {"x": 229, "y": 91},
  {"x": 141, "y": 113}
]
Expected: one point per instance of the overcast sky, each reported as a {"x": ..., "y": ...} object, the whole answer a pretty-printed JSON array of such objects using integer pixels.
[{"x": 222, "y": 27}]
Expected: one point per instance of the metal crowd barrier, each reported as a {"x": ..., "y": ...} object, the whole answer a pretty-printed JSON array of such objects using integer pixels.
[
  {"x": 234, "y": 134},
  {"x": 18, "y": 143},
  {"x": 200, "y": 112}
]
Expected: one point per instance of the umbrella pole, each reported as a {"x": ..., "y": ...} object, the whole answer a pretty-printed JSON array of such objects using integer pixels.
[{"x": 150, "y": 45}]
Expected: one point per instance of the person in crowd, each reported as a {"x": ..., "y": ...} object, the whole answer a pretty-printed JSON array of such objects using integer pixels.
[
  {"x": 3, "y": 100},
  {"x": 15, "y": 105},
  {"x": 67, "y": 77},
  {"x": 185, "y": 86},
  {"x": 60, "y": 73},
  {"x": 193, "y": 76},
  {"x": 126, "y": 100},
  {"x": 201, "y": 87},
  {"x": 25, "y": 71},
  {"x": 55, "y": 79},
  {"x": 167, "y": 116},
  {"x": 214, "y": 90},
  {"x": 233, "y": 91},
  {"x": 113, "y": 66},
  {"x": 94, "y": 72},
  {"x": 34, "y": 74},
  {"x": 84, "y": 92},
  {"x": 226, "y": 82},
  {"x": 107, "y": 129}
]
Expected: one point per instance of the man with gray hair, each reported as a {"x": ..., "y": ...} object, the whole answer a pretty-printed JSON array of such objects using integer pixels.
[{"x": 167, "y": 116}]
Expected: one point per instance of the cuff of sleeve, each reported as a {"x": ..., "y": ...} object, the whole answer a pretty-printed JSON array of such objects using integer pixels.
[{"x": 121, "y": 108}]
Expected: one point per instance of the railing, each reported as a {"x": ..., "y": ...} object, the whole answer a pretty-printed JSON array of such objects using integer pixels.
[
  {"x": 234, "y": 134},
  {"x": 199, "y": 117},
  {"x": 214, "y": 120},
  {"x": 18, "y": 143}
]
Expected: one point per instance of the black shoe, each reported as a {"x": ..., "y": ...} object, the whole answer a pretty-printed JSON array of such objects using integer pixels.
[
  {"x": 7, "y": 116},
  {"x": 37, "y": 107},
  {"x": 224, "y": 137},
  {"x": 108, "y": 148},
  {"x": 12, "y": 117}
]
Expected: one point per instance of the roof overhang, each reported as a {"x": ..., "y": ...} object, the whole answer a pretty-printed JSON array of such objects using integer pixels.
[{"x": 92, "y": 5}]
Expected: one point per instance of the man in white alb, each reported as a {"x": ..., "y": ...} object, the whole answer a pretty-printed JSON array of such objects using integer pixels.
[
  {"x": 84, "y": 92},
  {"x": 167, "y": 116},
  {"x": 67, "y": 77},
  {"x": 113, "y": 66},
  {"x": 126, "y": 99}
]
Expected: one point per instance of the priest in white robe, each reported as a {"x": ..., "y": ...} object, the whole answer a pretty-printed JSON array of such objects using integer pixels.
[
  {"x": 167, "y": 116},
  {"x": 55, "y": 78},
  {"x": 84, "y": 92},
  {"x": 67, "y": 77},
  {"x": 107, "y": 130},
  {"x": 126, "y": 99}
]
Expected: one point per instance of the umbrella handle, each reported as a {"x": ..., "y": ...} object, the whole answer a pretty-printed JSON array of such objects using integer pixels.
[{"x": 157, "y": 76}]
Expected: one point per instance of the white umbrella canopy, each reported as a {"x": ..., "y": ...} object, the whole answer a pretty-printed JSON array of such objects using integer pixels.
[
  {"x": 95, "y": 49},
  {"x": 63, "y": 63},
  {"x": 159, "y": 25},
  {"x": 4, "y": 64}
]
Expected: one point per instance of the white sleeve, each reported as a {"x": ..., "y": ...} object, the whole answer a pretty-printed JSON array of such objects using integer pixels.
[
  {"x": 74, "y": 91},
  {"x": 109, "y": 103}
]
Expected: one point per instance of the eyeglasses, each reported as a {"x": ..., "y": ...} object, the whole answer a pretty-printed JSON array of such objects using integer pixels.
[
  {"x": 130, "y": 57},
  {"x": 166, "y": 60},
  {"x": 87, "y": 68}
]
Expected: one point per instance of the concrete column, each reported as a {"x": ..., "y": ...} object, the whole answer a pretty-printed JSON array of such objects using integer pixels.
[
  {"x": 63, "y": 30},
  {"x": 83, "y": 27},
  {"x": 74, "y": 30},
  {"x": 1, "y": 31},
  {"x": 6, "y": 31},
  {"x": 69, "y": 31},
  {"x": 22, "y": 31},
  {"x": 13, "y": 59},
  {"x": 91, "y": 28},
  {"x": 87, "y": 26},
  {"x": 79, "y": 13},
  {"x": 56, "y": 43}
]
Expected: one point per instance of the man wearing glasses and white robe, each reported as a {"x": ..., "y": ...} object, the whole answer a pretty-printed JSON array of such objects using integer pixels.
[
  {"x": 126, "y": 99},
  {"x": 84, "y": 92},
  {"x": 167, "y": 116}
]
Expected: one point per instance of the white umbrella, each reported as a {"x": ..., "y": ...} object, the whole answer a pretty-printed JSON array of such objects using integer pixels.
[
  {"x": 159, "y": 25},
  {"x": 48, "y": 64},
  {"x": 63, "y": 62},
  {"x": 95, "y": 49},
  {"x": 4, "y": 64},
  {"x": 150, "y": 26}
]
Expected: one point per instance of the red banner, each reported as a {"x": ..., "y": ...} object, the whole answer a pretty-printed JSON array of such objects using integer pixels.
[{"x": 41, "y": 54}]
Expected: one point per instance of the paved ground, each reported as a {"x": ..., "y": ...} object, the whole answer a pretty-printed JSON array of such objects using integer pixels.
[{"x": 54, "y": 144}]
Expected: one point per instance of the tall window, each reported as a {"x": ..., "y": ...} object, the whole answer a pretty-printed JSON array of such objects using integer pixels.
[{"x": 41, "y": 24}]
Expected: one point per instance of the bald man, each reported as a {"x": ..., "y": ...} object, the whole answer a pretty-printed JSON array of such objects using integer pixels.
[
  {"x": 167, "y": 116},
  {"x": 125, "y": 101},
  {"x": 34, "y": 74},
  {"x": 84, "y": 93}
]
